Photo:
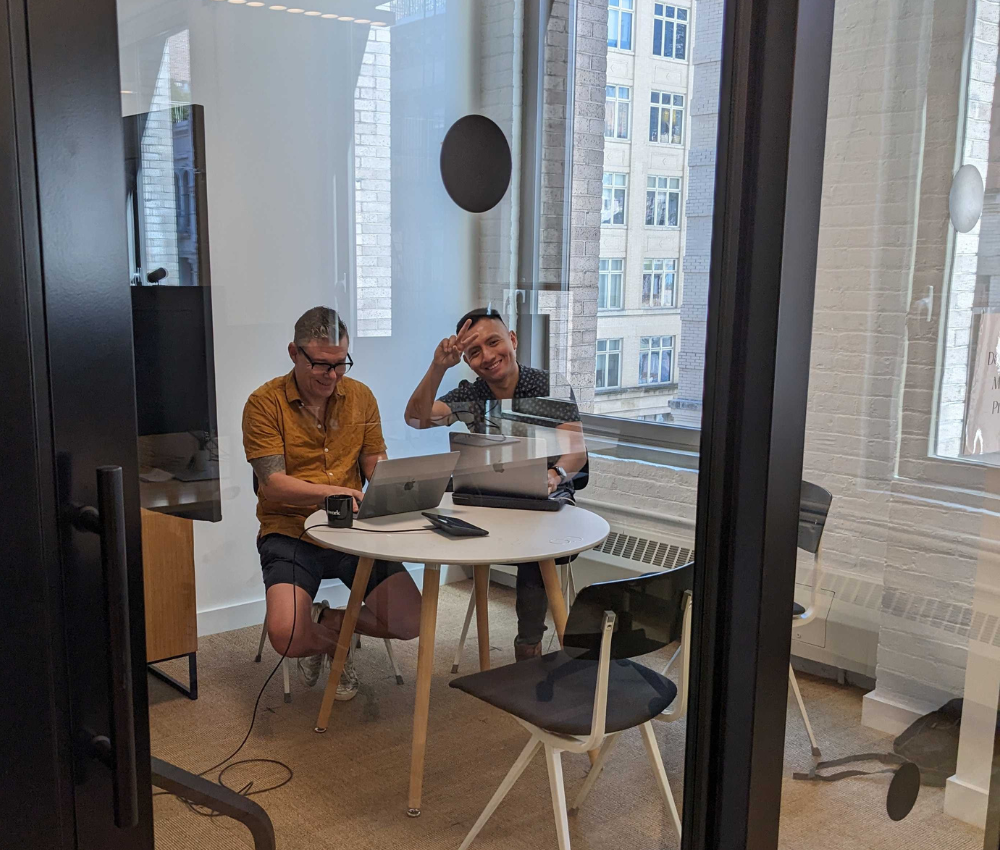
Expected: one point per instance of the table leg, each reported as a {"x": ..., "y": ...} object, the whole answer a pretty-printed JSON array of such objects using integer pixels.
[
  {"x": 425, "y": 667},
  {"x": 481, "y": 579},
  {"x": 557, "y": 602},
  {"x": 358, "y": 588}
]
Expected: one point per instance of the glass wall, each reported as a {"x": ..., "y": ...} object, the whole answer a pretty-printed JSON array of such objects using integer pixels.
[{"x": 280, "y": 158}]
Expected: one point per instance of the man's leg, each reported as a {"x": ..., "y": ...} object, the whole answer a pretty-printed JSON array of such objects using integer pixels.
[
  {"x": 292, "y": 572},
  {"x": 392, "y": 601},
  {"x": 531, "y": 604}
]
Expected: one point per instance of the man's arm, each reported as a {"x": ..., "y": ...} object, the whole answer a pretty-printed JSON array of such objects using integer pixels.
[
  {"x": 574, "y": 452},
  {"x": 367, "y": 463},
  {"x": 423, "y": 410},
  {"x": 276, "y": 485}
]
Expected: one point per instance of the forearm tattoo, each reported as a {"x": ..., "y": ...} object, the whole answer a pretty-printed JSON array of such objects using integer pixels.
[{"x": 265, "y": 467}]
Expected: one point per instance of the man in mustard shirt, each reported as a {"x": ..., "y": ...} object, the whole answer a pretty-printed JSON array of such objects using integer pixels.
[{"x": 310, "y": 434}]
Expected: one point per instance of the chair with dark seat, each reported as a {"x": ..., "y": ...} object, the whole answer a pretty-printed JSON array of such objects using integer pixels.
[
  {"x": 585, "y": 695},
  {"x": 814, "y": 507}
]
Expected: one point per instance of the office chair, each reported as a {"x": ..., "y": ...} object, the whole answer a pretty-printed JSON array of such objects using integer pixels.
[
  {"x": 286, "y": 663},
  {"x": 590, "y": 692},
  {"x": 814, "y": 507}
]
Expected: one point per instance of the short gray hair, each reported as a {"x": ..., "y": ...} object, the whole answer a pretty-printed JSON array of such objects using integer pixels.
[{"x": 319, "y": 323}]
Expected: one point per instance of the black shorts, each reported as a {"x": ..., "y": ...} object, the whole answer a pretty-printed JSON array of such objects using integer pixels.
[{"x": 312, "y": 564}]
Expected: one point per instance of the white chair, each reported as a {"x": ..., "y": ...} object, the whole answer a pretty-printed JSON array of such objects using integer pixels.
[
  {"x": 286, "y": 663},
  {"x": 569, "y": 592},
  {"x": 576, "y": 700},
  {"x": 814, "y": 507}
]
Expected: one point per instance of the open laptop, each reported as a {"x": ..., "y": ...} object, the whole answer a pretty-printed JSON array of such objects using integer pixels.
[
  {"x": 498, "y": 471},
  {"x": 407, "y": 484}
]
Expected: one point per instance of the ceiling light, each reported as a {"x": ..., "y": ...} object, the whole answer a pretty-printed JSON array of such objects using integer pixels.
[
  {"x": 295, "y": 11},
  {"x": 346, "y": 18},
  {"x": 332, "y": 17},
  {"x": 313, "y": 14},
  {"x": 362, "y": 21},
  {"x": 379, "y": 24},
  {"x": 255, "y": 3},
  {"x": 237, "y": 2},
  {"x": 278, "y": 8},
  {"x": 127, "y": 91}
]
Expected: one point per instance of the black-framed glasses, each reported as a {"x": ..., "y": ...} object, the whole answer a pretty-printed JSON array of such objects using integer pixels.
[{"x": 318, "y": 368}]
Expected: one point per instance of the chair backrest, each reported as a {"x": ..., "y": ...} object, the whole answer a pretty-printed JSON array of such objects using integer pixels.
[
  {"x": 649, "y": 614},
  {"x": 814, "y": 506}
]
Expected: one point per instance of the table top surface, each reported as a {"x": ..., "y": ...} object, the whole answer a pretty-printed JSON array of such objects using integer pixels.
[{"x": 515, "y": 537}]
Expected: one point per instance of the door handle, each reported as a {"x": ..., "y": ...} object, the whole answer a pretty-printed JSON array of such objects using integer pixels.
[{"x": 118, "y": 751}]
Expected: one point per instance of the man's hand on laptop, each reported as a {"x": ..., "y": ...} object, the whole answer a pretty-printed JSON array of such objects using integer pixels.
[{"x": 347, "y": 491}]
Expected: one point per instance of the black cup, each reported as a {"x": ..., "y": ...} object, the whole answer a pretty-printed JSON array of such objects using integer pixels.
[{"x": 339, "y": 511}]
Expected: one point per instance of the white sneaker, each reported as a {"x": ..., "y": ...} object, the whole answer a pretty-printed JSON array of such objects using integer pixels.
[
  {"x": 310, "y": 667},
  {"x": 347, "y": 688}
]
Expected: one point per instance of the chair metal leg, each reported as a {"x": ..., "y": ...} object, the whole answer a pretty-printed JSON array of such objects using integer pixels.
[
  {"x": 523, "y": 760},
  {"x": 595, "y": 770},
  {"x": 263, "y": 637},
  {"x": 286, "y": 665},
  {"x": 553, "y": 761},
  {"x": 465, "y": 631},
  {"x": 802, "y": 710},
  {"x": 571, "y": 585},
  {"x": 392, "y": 661},
  {"x": 653, "y": 752}
]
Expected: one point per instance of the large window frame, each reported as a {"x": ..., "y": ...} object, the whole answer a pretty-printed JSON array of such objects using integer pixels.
[
  {"x": 614, "y": 184},
  {"x": 653, "y": 351},
  {"x": 608, "y": 350},
  {"x": 657, "y": 271},
  {"x": 673, "y": 105},
  {"x": 663, "y": 194},
  {"x": 671, "y": 24},
  {"x": 610, "y": 283}
]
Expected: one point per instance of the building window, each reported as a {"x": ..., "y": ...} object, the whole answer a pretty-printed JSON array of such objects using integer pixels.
[
  {"x": 617, "y": 111},
  {"x": 609, "y": 363},
  {"x": 609, "y": 284},
  {"x": 613, "y": 197},
  {"x": 670, "y": 31},
  {"x": 620, "y": 24},
  {"x": 666, "y": 118},
  {"x": 663, "y": 201},
  {"x": 659, "y": 278},
  {"x": 656, "y": 359}
]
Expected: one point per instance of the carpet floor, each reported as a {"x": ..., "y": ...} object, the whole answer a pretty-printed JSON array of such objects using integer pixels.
[{"x": 350, "y": 785}]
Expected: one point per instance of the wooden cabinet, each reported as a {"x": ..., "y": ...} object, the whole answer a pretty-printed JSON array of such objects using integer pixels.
[{"x": 171, "y": 611}]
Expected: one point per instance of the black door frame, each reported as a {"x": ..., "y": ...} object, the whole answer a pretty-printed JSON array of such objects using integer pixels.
[
  {"x": 772, "y": 130},
  {"x": 68, "y": 150},
  {"x": 66, "y": 350}
]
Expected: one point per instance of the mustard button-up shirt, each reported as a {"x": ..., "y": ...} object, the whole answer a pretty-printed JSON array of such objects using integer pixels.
[{"x": 276, "y": 422}]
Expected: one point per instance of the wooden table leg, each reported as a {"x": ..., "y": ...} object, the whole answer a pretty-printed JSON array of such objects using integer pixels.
[
  {"x": 557, "y": 602},
  {"x": 425, "y": 667},
  {"x": 358, "y": 588},
  {"x": 481, "y": 579}
]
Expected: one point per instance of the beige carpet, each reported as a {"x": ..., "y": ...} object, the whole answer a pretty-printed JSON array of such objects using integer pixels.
[{"x": 350, "y": 785}]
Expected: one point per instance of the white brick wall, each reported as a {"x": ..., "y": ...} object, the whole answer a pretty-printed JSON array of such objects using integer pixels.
[{"x": 372, "y": 188}]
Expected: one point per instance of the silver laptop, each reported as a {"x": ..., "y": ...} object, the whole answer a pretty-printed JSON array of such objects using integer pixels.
[
  {"x": 407, "y": 484},
  {"x": 496, "y": 465}
]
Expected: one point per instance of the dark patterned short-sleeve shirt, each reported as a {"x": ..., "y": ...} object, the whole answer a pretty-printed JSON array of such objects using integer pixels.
[{"x": 474, "y": 403}]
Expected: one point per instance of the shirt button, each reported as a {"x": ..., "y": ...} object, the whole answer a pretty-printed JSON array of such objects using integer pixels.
[{"x": 326, "y": 450}]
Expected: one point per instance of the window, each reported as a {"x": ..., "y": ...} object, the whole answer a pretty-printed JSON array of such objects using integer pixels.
[
  {"x": 609, "y": 285},
  {"x": 663, "y": 201},
  {"x": 656, "y": 359},
  {"x": 670, "y": 31},
  {"x": 617, "y": 109},
  {"x": 620, "y": 24},
  {"x": 613, "y": 198},
  {"x": 666, "y": 118},
  {"x": 609, "y": 363},
  {"x": 658, "y": 283}
]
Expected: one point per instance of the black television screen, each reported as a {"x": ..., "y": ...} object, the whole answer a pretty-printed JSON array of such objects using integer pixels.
[{"x": 174, "y": 359}]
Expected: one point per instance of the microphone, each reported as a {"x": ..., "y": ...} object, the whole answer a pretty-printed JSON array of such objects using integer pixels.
[{"x": 156, "y": 275}]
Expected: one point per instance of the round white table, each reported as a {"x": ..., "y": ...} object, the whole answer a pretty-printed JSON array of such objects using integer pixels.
[{"x": 515, "y": 537}]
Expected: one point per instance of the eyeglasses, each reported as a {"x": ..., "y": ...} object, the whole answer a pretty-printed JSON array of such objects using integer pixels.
[{"x": 325, "y": 369}]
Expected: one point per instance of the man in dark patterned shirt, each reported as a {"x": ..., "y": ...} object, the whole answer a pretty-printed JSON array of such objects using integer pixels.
[{"x": 484, "y": 342}]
